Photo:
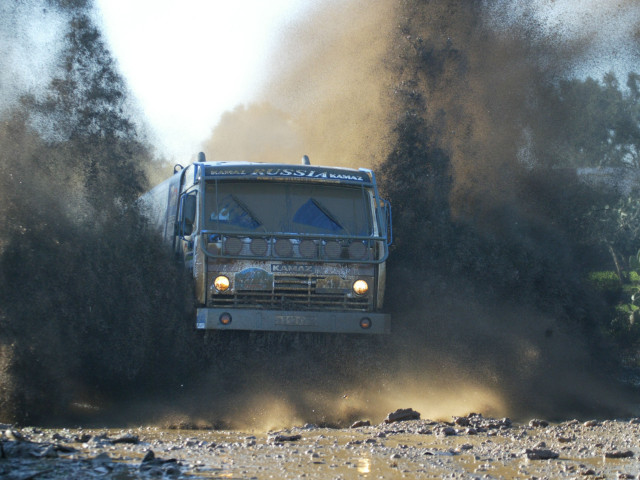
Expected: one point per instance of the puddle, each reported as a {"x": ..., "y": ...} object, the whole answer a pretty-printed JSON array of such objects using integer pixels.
[{"x": 319, "y": 453}]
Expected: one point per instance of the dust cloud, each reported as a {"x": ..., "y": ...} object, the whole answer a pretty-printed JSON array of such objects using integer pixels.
[
  {"x": 486, "y": 277},
  {"x": 326, "y": 95}
]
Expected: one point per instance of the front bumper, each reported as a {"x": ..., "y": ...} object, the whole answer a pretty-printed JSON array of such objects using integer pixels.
[{"x": 293, "y": 321}]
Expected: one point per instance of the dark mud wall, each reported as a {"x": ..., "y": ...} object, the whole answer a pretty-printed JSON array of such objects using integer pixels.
[
  {"x": 92, "y": 308},
  {"x": 487, "y": 276}
]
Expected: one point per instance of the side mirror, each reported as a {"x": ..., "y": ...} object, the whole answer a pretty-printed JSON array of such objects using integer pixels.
[
  {"x": 387, "y": 217},
  {"x": 187, "y": 214}
]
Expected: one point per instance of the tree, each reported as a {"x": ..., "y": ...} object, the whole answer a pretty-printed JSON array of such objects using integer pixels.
[
  {"x": 586, "y": 123},
  {"x": 91, "y": 303},
  {"x": 87, "y": 111}
]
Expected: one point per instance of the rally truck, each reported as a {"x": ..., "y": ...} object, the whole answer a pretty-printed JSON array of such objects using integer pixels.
[{"x": 278, "y": 247}]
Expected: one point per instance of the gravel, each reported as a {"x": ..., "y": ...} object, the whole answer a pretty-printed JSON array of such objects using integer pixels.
[{"x": 471, "y": 447}]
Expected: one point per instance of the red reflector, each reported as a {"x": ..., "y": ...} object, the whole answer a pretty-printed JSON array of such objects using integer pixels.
[
  {"x": 225, "y": 318},
  {"x": 365, "y": 323}
]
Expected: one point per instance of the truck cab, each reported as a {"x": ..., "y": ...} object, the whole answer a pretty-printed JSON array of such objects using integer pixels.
[{"x": 279, "y": 247}]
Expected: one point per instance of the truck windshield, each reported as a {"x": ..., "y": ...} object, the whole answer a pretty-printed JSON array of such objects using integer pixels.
[{"x": 287, "y": 207}]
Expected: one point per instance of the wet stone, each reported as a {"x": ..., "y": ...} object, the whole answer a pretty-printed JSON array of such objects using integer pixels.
[
  {"x": 25, "y": 450},
  {"x": 83, "y": 438},
  {"x": 149, "y": 456},
  {"x": 462, "y": 421},
  {"x": 65, "y": 449},
  {"x": 48, "y": 451},
  {"x": 101, "y": 458},
  {"x": 171, "y": 469},
  {"x": 537, "y": 423},
  {"x": 14, "y": 435},
  {"x": 127, "y": 438},
  {"x": 540, "y": 454},
  {"x": 285, "y": 438},
  {"x": 100, "y": 440},
  {"x": 361, "y": 423},
  {"x": 102, "y": 470},
  {"x": 446, "y": 431},
  {"x": 618, "y": 454},
  {"x": 402, "y": 415}
]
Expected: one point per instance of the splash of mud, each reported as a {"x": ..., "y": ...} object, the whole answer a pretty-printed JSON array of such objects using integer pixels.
[{"x": 327, "y": 93}]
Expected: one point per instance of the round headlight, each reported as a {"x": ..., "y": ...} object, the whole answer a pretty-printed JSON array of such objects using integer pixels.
[
  {"x": 308, "y": 248},
  {"x": 360, "y": 287},
  {"x": 232, "y": 246},
  {"x": 333, "y": 249},
  {"x": 221, "y": 283},
  {"x": 259, "y": 247},
  {"x": 357, "y": 250},
  {"x": 283, "y": 247}
]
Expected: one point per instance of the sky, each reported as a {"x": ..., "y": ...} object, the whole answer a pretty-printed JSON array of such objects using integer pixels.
[{"x": 189, "y": 61}]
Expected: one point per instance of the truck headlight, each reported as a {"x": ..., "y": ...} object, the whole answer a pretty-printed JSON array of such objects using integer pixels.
[
  {"x": 221, "y": 283},
  {"x": 360, "y": 287}
]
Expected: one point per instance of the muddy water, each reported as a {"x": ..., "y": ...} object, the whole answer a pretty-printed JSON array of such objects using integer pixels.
[{"x": 410, "y": 449}]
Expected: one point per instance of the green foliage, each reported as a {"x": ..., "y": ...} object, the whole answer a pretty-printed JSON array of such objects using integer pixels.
[
  {"x": 589, "y": 123},
  {"x": 605, "y": 281},
  {"x": 624, "y": 325},
  {"x": 608, "y": 284}
]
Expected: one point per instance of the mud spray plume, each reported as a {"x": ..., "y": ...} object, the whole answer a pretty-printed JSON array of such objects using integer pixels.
[
  {"x": 484, "y": 274},
  {"x": 326, "y": 94},
  {"x": 78, "y": 322}
]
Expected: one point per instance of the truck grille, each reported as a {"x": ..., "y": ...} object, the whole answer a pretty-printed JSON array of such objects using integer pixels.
[{"x": 293, "y": 292}]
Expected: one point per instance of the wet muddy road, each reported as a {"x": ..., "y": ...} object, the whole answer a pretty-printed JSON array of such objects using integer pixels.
[{"x": 465, "y": 447}]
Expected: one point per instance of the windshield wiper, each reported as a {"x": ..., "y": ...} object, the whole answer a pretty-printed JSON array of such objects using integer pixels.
[
  {"x": 328, "y": 214},
  {"x": 244, "y": 207}
]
